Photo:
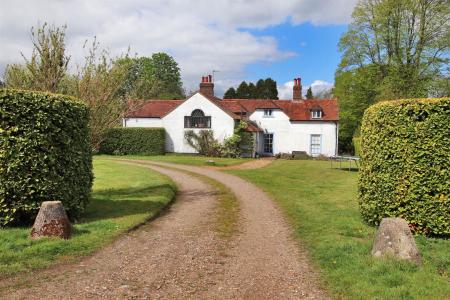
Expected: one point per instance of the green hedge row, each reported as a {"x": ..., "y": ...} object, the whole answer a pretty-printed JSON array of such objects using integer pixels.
[
  {"x": 405, "y": 167},
  {"x": 142, "y": 141},
  {"x": 44, "y": 154}
]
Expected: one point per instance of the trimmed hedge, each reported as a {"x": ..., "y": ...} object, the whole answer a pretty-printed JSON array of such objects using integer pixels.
[
  {"x": 405, "y": 163},
  {"x": 139, "y": 141},
  {"x": 45, "y": 154}
]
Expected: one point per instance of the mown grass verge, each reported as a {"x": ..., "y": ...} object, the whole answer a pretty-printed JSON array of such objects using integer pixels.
[
  {"x": 194, "y": 160},
  {"x": 123, "y": 197},
  {"x": 321, "y": 204}
]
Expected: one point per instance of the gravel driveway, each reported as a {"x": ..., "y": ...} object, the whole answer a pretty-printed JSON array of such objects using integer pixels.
[{"x": 179, "y": 256}]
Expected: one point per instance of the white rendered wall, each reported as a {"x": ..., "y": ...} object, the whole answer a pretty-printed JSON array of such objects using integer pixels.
[
  {"x": 142, "y": 122},
  {"x": 295, "y": 136},
  {"x": 221, "y": 123}
]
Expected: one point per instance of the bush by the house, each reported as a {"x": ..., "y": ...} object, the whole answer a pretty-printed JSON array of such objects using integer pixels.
[
  {"x": 142, "y": 141},
  {"x": 45, "y": 154},
  {"x": 240, "y": 144},
  {"x": 405, "y": 167},
  {"x": 203, "y": 142}
]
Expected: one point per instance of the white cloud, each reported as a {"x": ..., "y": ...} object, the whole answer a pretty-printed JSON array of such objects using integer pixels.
[
  {"x": 285, "y": 90},
  {"x": 202, "y": 35},
  {"x": 319, "y": 86}
]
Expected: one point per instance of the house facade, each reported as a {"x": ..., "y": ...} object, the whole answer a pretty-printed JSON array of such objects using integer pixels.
[{"x": 278, "y": 126}]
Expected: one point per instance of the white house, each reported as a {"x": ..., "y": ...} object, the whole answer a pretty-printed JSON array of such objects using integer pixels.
[{"x": 279, "y": 126}]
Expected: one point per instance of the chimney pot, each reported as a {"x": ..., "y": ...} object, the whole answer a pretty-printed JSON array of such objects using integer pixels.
[
  {"x": 297, "y": 89},
  {"x": 207, "y": 86}
]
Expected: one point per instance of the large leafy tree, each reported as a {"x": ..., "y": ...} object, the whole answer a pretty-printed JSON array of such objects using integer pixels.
[
  {"x": 157, "y": 76},
  {"x": 392, "y": 49}
]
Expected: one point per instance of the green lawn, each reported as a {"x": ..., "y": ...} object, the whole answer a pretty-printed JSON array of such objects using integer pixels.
[
  {"x": 194, "y": 160},
  {"x": 124, "y": 196},
  {"x": 321, "y": 204}
]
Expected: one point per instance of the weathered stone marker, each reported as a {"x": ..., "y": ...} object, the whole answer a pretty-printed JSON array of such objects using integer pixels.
[
  {"x": 394, "y": 238},
  {"x": 51, "y": 221}
]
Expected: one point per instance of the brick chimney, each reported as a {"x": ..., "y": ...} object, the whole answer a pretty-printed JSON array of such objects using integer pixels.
[
  {"x": 297, "y": 90},
  {"x": 207, "y": 86}
]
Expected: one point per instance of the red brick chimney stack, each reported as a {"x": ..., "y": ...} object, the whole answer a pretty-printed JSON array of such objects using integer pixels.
[
  {"x": 207, "y": 86},
  {"x": 297, "y": 90}
]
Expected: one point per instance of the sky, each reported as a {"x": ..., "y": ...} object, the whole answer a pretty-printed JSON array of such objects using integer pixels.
[{"x": 241, "y": 39}]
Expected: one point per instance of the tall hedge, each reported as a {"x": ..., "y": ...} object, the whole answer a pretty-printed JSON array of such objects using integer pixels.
[
  {"x": 143, "y": 141},
  {"x": 44, "y": 154},
  {"x": 405, "y": 163}
]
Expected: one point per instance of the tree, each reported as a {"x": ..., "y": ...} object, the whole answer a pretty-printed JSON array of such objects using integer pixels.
[
  {"x": 252, "y": 93},
  {"x": 99, "y": 83},
  {"x": 309, "y": 93},
  {"x": 157, "y": 76},
  {"x": 242, "y": 91},
  {"x": 264, "y": 89},
  {"x": 48, "y": 64},
  {"x": 17, "y": 76},
  {"x": 230, "y": 94},
  {"x": 401, "y": 44},
  {"x": 167, "y": 74}
]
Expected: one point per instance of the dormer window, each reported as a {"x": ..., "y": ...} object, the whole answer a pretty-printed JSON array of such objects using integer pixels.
[
  {"x": 316, "y": 114},
  {"x": 268, "y": 113}
]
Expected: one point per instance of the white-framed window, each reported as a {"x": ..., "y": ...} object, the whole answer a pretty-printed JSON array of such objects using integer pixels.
[
  {"x": 268, "y": 143},
  {"x": 268, "y": 112},
  {"x": 197, "y": 119},
  {"x": 316, "y": 114},
  {"x": 316, "y": 144}
]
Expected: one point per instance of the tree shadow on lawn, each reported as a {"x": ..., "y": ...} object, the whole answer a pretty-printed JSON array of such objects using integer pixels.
[{"x": 116, "y": 203}]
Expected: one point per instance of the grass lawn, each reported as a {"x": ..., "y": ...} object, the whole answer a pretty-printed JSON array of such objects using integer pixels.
[
  {"x": 123, "y": 196},
  {"x": 321, "y": 204},
  {"x": 194, "y": 160}
]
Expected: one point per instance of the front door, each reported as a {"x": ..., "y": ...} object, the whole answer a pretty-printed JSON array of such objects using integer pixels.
[{"x": 268, "y": 143}]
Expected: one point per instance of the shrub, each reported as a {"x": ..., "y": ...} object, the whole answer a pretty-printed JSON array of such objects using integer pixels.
[
  {"x": 357, "y": 145},
  {"x": 139, "y": 141},
  {"x": 203, "y": 142},
  {"x": 405, "y": 163},
  {"x": 238, "y": 145},
  {"x": 44, "y": 154}
]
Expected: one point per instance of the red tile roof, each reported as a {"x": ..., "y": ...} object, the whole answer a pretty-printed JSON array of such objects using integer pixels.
[
  {"x": 154, "y": 108},
  {"x": 236, "y": 108},
  {"x": 295, "y": 110}
]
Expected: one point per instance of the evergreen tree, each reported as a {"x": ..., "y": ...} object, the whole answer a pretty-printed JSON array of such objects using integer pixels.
[
  {"x": 260, "y": 89},
  {"x": 230, "y": 94},
  {"x": 264, "y": 89},
  {"x": 270, "y": 91},
  {"x": 252, "y": 94},
  {"x": 242, "y": 91},
  {"x": 309, "y": 93}
]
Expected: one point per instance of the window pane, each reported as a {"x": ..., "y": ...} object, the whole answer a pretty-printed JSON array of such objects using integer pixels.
[{"x": 315, "y": 144}]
